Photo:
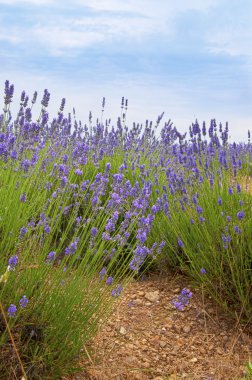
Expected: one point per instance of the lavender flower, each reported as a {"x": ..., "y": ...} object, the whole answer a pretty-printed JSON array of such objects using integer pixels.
[
  {"x": 102, "y": 273},
  {"x": 237, "y": 230},
  {"x": 46, "y": 98},
  {"x": 94, "y": 231},
  {"x": 202, "y": 271},
  {"x": 47, "y": 229},
  {"x": 51, "y": 256},
  {"x": 23, "y": 302},
  {"x": 199, "y": 210},
  {"x": 12, "y": 263},
  {"x": 78, "y": 220},
  {"x": 109, "y": 280},
  {"x": 226, "y": 239},
  {"x": 9, "y": 92},
  {"x": 180, "y": 243},
  {"x": 78, "y": 172},
  {"x": 12, "y": 310},
  {"x": 117, "y": 291},
  {"x": 72, "y": 247},
  {"x": 23, "y": 231},
  {"x": 238, "y": 187},
  {"x": 182, "y": 299},
  {"x": 240, "y": 215},
  {"x": 23, "y": 198}
]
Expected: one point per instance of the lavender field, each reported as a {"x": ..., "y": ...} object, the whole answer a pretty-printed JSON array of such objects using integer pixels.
[{"x": 85, "y": 208}]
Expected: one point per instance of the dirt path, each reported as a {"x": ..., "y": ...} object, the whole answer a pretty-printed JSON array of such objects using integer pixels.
[{"x": 146, "y": 338}]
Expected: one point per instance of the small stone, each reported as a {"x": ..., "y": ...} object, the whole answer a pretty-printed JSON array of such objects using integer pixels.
[
  {"x": 138, "y": 302},
  {"x": 173, "y": 376},
  {"x": 152, "y": 296},
  {"x": 246, "y": 338},
  {"x": 130, "y": 346},
  {"x": 187, "y": 329},
  {"x": 141, "y": 293},
  {"x": 162, "y": 344},
  {"x": 148, "y": 304},
  {"x": 177, "y": 328},
  {"x": 193, "y": 360},
  {"x": 210, "y": 310},
  {"x": 202, "y": 350},
  {"x": 176, "y": 290},
  {"x": 146, "y": 365},
  {"x": 122, "y": 330}
]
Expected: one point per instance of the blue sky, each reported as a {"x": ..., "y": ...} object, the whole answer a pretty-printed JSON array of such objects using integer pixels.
[{"x": 189, "y": 58}]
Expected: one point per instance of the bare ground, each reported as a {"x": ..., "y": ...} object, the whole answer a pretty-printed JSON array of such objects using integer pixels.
[{"x": 147, "y": 338}]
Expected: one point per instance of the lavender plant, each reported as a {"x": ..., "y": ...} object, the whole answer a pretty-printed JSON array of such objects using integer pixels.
[
  {"x": 206, "y": 220},
  {"x": 86, "y": 207},
  {"x": 73, "y": 233}
]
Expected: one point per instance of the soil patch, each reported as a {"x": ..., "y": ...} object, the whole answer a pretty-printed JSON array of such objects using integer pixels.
[{"x": 147, "y": 338}]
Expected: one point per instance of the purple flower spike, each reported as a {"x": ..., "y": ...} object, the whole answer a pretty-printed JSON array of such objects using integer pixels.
[
  {"x": 237, "y": 230},
  {"x": 202, "y": 271},
  {"x": 109, "y": 280},
  {"x": 240, "y": 215},
  {"x": 180, "y": 243},
  {"x": 12, "y": 263},
  {"x": 23, "y": 302},
  {"x": 94, "y": 231},
  {"x": 47, "y": 229},
  {"x": 51, "y": 256},
  {"x": 199, "y": 210},
  {"x": 182, "y": 299},
  {"x": 23, "y": 198},
  {"x": 78, "y": 172},
  {"x": 117, "y": 291},
  {"x": 23, "y": 231},
  {"x": 12, "y": 310},
  {"x": 102, "y": 273}
]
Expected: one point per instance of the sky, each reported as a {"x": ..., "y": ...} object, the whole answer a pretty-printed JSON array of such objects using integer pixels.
[{"x": 187, "y": 58}]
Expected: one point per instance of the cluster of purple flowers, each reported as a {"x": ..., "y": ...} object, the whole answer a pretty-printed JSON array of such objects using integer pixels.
[
  {"x": 182, "y": 299},
  {"x": 12, "y": 263},
  {"x": 70, "y": 250},
  {"x": 117, "y": 207},
  {"x": 12, "y": 309}
]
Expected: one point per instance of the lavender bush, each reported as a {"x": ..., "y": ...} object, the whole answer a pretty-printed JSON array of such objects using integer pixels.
[
  {"x": 206, "y": 220},
  {"x": 86, "y": 207},
  {"x": 73, "y": 233}
]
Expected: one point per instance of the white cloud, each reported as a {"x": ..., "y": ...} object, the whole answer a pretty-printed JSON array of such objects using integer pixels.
[
  {"x": 147, "y": 7},
  {"x": 57, "y": 39},
  {"x": 137, "y": 21},
  {"x": 13, "y": 37},
  {"x": 80, "y": 33},
  {"x": 31, "y": 2},
  {"x": 231, "y": 41}
]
